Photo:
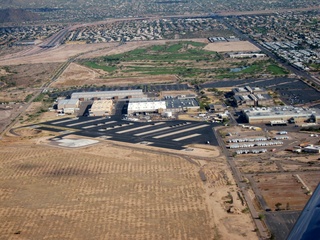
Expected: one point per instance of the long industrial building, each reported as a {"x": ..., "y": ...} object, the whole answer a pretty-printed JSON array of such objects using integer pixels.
[
  {"x": 121, "y": 94},
  {"x": 282, "y": 114},
  {"x": 68, "y": 103},
  {"x": 146, "y": 106},
  {"x": 169, "y": 104}
]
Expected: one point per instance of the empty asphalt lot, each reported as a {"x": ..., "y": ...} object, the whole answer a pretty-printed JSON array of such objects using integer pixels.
[{"x": 165, "y": 134}]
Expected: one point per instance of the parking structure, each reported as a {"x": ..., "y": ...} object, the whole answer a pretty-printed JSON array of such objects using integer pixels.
[{"x": 166, "y": 134}]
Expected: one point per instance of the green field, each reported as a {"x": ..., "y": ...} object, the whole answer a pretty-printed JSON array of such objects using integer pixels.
[
  {"x": 188, "y": 60},
  {"x": 166, "y": 53},
  {"x": 276, "y": 70}
]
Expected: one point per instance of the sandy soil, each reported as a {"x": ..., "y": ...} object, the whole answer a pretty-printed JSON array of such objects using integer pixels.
[
  {"x": 15, "y": 95},
  {"x": 25, "y": 76},
  {"x": 241, "y": 46},
  {"x": 109, "y": 191},
  {"x": 78, "y": 75},
  {"x": 282, "y": 188},
  {"x": 4, "y": 113}
]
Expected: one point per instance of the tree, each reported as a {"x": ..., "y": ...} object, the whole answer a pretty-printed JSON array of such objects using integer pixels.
[
  {"x": 278, "y": 205},
  {"x": 261, "y": 216}
]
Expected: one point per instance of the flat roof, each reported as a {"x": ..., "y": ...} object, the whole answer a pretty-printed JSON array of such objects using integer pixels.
[
  {"x": 107, "y": 93},
  {"x": 181, "y": 103},
  {"x": 68, "y": 101},
  {"x": 283, "y": 111},
  {"x": 141, "y": 106},
  {"x": 101, "y": 105}
]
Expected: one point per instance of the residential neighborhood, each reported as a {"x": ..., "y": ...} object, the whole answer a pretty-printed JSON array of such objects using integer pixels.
[{"x": 294, "y": 37}]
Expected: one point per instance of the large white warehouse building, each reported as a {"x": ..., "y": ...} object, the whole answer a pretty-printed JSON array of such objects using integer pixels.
[
  {"x": 146, "y": 106},
  {"x": 283, "y": 113},
  {"x": 137, "y": 93}
]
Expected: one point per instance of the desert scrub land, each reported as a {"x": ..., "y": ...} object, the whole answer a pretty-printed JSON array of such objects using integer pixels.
[
  {"x": 26, "y": 75},
  {"x": 107, "y": 192},
  {"x": 81, "y": 195}
]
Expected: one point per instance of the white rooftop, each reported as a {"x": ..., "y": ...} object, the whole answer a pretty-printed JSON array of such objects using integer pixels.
[
  {"x": 142, "y": 106},
  {"x": 282, "y": 111}
]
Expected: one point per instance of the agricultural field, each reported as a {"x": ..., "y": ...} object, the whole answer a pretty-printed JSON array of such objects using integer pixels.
[{"x": 110, "y": 192}]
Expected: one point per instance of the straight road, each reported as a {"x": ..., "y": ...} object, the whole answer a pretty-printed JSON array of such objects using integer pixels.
[{"x": 243, "y": 187}]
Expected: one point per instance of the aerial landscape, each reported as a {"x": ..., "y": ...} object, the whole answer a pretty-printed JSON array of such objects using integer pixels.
[{"x": 159, "y": 119}]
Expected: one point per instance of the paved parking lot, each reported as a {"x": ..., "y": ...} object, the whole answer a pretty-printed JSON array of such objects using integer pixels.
[
  {"x": 280, "y": 223},
  {"x": 292, "y": 91},
  {"x": 165, "y": 134}
]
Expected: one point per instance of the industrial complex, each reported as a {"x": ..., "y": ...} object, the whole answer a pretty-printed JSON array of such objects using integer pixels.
[
  {"x": 282, "y": 115},
  {"x": 247, "y": 96},
  {"x": 121, "y": 94},
  {"x": 136, "y": 101}
]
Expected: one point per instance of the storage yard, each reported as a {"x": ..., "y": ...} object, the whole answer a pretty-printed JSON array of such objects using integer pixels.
[{"x": 281, "y": 178}]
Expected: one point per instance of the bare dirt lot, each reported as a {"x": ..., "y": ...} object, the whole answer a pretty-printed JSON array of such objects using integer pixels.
[
  {"x": 113, "y": 192},
  {"x": 15, "y": 94},
  {"x": 241, "y": 46},
  {"x": 282, "y": 188},
  {"x": 28, "y": 75},
  {"x": 78, "y": 75}
]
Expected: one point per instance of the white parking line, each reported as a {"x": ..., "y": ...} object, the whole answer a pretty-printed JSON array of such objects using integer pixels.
[
  {"x": 137, "y": 128},
  {"x": 186, "y": 137},
  {"x": 79, "y": 123},
  {"x": 91, "y": 126},
  {"x": 152, "y": 131},
  {"x": 67, "y": 120},
  {"x": 181, "y": 131}
]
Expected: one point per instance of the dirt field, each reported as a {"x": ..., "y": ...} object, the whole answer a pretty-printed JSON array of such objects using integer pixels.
[
  {"x": 28, "y": 75},
  {"x": 113, "y": 192},
  {"x": 241, "y": 46},
  {"x": 77, "y": 75},
  {"x": 250, "y": 166},
  {"x": 282, "y": 188}
]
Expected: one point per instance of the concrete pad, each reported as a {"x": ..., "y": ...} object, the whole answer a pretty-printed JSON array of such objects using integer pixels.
[{"x": 75, "y": 143}]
